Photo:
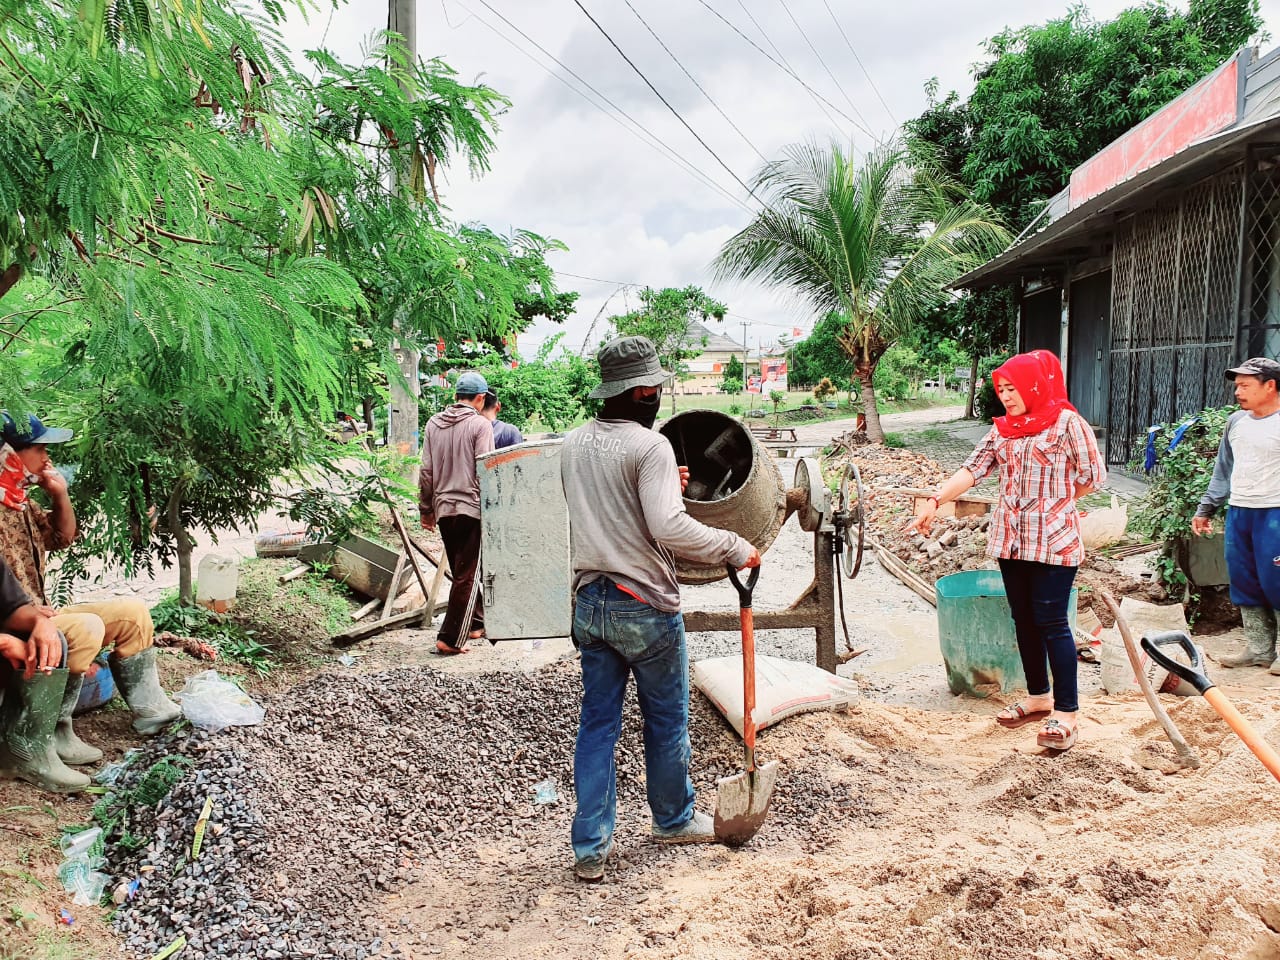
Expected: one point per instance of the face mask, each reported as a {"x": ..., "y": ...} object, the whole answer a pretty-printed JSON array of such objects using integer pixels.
[{"x": 624, "y": 407}]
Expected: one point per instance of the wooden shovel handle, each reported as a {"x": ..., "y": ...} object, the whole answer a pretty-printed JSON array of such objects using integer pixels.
[
  {"x": 749, "y": 686},
  {"x": 1244, "y": 730}
]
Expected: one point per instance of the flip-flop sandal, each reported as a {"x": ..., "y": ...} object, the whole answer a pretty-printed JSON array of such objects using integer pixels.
[
  {"x": 1056, "y": 736},
  {"x": 445, "y": 650},
  {"x": 1021, "y": 715}
]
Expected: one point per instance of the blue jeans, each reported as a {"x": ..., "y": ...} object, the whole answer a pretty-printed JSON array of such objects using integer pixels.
[
  {"x": 1253, "y": 556},
  {"x": 619, "y": 636},
  {"x": 1038, "y": 596}
]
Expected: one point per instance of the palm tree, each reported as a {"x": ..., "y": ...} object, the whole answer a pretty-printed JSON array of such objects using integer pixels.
[{"x": 877, "y": 242}]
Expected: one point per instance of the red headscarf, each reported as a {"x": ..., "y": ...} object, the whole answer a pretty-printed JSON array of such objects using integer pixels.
[{"x": 1039, "y": 381}]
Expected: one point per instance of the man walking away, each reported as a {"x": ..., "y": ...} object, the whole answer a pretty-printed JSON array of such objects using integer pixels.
[
  {"x": 449, "y": 496},
  {"x": 627, "y": 524},
  {"x": 504, "y": 434},
  {"x": 1247, "y": 478}
]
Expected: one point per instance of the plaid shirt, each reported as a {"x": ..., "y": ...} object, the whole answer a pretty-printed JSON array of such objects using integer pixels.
[{"x": 1036, "y": 517}]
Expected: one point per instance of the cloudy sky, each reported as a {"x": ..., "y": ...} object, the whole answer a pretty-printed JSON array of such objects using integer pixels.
[{"x": 640, "y": 201}]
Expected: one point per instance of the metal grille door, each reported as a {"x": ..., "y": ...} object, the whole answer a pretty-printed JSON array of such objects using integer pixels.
[{"x": 1174, "y": 291}]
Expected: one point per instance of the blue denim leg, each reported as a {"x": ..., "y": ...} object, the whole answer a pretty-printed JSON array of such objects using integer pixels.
[
  {"x": 1253, "y": 549},
  {"x": 619, "y": 635},
  {"x": 1039, "y": 596},
  {"x": 604, "y": 680}
]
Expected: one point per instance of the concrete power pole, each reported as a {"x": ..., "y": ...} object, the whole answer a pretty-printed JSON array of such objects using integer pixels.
[{"x": 402, "y": 429}]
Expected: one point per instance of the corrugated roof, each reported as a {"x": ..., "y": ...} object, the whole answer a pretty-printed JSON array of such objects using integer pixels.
[
  {"x": 1066, "y": 234},
  {"x": 703, "y": 338}
]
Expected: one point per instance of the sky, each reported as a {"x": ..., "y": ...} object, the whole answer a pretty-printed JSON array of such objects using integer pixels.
[{"x": 653, "y": 208}]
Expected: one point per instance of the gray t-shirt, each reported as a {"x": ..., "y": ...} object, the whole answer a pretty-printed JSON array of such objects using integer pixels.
[
  {"x": 626, "y": 516},
  {"x": 1247, "y": 472}
]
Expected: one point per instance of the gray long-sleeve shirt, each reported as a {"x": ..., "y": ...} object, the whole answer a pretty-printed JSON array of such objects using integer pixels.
[
  {"x": 1247, "y": 471},
  {"x": 627, "y": 519}
]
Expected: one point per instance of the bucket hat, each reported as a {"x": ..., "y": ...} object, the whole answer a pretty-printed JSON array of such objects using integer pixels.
[
  {"x": 627, "y": 362},
  {"x": 31, "y": 432}
]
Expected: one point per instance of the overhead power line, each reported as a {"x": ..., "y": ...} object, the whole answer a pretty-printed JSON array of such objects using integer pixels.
[
  {"x": 785, "y": 69},
  {"x": 706, "y": 146},
  {"x": 695, "y": 82},
  {"x": 640, "y": 131},
  {"x": 861, "y": 65},
  {"x": 839, "y": 86},
  {"x": 781, "y": 56}
]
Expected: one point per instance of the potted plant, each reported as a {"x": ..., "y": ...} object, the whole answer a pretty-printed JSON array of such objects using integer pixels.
[{"x": 1179, "y": 459}]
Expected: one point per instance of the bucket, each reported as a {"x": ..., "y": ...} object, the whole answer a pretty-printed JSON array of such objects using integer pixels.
[
  {"x": 216, "y": 580},
  {"x": 734, "y": 483},
  {"x": 977, "y": 636},
  {"x": 98, "y": 687}
]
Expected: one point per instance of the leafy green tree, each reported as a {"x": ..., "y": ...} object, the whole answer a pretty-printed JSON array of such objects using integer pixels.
[
  {"x": 733, "y": 373},
  {"x": 665, "y": 317},
  {"x": 1049, "y": 96},
  {"x": 550, "y": 391},
  {"x": 820, "y": 355},
  {"x": 202, "y": 256},
  {"x": 877, "y": 243}
]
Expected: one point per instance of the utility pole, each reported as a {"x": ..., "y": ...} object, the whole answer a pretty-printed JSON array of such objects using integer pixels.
[
  {"x": 402, "y": 429},
  {"x": 744, "y": 355}
]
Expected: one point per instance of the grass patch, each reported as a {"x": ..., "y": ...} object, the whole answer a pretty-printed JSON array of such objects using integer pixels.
[
  {"x": 896, "y": 440},
  {"x": 232, "y": 640},
  {"x": 291, "y": 619}
]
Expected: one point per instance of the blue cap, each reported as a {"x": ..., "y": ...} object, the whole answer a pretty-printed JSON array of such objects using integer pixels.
[
  {"x": 33, "y": 431},
  {"x": 471, "y": 384}
]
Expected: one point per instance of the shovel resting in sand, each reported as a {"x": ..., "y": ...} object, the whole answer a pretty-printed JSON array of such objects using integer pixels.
[
  {"x": 1194, "y": 674},
  {"x": 742, "y": 800}
]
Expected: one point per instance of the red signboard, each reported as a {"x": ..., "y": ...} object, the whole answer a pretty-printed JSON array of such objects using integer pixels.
[{"x": 1210, "y": 106}]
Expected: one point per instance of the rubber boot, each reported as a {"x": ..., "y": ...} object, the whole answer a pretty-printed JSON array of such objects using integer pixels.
[
  {"x": 140, "y": 686},
  {"x": 70, "y": 747},
  {"x": 29, "y": 734},
  {"x": 1259, "y": 638}
]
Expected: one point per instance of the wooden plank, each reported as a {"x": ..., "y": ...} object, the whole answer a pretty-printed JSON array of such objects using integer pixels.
[
  {"x": 442, "y": 570},
  {"x": 395, "y": 587},
  {"x": 367, "y": 609},
  {"x": 295, "y": 573},
  {"x": 363, "y": 631},
  {"x": 900, "y": 570}
]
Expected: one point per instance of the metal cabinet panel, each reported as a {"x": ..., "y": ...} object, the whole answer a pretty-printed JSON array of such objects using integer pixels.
[{"x": 524, "y": 528}]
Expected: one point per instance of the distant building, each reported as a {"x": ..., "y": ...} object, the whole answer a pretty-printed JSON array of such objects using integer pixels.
[
  {"x": 1159, "y": 265},
  {"x": 706, "y": 370}
]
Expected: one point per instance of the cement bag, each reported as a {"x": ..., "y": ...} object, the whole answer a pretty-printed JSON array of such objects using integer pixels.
[
  {"x": 1102, "y": 528},
  {"x": 1142, "y": 618},
  {"x": 783, "y": 688}
]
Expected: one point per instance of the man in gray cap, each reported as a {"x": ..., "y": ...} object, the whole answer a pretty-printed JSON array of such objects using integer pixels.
[
  {"x": 1247, "y": 478},
  {"x": 449, "y": 497},
  {"x": 627, "y": 524}
]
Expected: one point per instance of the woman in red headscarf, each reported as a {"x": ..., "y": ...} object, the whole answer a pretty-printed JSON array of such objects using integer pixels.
[{"x": 1047, "y": 457}]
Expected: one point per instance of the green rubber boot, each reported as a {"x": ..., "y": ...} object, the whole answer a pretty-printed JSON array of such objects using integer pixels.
[
  {"x": 70, "y": 747},
  {"x": 29, "y": 752},
  {"x": 140, "y": 686},
  {"x": 1259, "y": 638}
]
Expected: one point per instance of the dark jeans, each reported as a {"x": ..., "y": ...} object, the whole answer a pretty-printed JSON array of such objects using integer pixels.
[
  {"x": 461, "y": 536},
  {"x": 1038, "y": 596},
  {"x": 1253, "y": 556},
  {"x": 619, "y": 637}
]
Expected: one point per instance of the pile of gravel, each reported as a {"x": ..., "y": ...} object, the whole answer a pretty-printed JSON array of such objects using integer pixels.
[{"x": 357, "y": 784}]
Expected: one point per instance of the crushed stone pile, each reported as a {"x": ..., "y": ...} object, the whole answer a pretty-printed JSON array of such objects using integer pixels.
[{"x": 358, "y": 784}]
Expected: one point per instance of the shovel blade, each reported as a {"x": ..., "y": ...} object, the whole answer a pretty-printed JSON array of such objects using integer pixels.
[{"x": 742, "y": 803}]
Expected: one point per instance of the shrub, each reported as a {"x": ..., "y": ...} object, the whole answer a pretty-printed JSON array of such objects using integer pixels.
[
  {"x": 1178, "y": 483},
  {"x": 986, "y": 403},
  {"x": 824, "y": 389}
]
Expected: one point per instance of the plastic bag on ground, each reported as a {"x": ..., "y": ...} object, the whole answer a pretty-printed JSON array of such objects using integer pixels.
[
  {"x": 212, "y": 703},
  {"x": 783, "y": 688}
]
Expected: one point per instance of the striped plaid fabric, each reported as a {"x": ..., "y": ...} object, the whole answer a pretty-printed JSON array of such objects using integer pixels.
[{"x": 1036, "y": 517}]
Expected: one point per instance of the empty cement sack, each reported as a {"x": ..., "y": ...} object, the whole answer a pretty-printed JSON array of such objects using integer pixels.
[{"x": 783, "y": 688}]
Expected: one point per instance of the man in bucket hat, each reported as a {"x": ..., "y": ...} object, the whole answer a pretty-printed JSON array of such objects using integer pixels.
[
  {"x": 627, "y": 523},
  {"x": 449, "y": 497},
  {"x": 1247, "y": 478}
]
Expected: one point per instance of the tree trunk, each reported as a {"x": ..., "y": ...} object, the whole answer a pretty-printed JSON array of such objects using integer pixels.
[
  {"x": 366, "y": 405},
  {"x": 173, "y": 519},
  {"x": 864, "y": 373},
  {"x": 969, "y": 412}
]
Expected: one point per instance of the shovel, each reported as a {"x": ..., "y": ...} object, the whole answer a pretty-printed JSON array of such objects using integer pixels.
[
  {"x": 1194, "y": 674},
  {"x": 742, "y": 800}
]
